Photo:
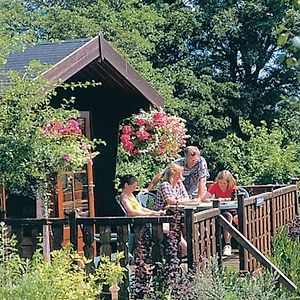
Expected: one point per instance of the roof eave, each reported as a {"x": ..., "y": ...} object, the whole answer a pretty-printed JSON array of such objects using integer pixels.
[{"x": 99, "y": 49}]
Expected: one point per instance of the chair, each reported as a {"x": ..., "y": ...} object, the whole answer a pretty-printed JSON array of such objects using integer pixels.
[
  {"x": 146, "y": 199},
  {"x": 243, "y": 191},
  {"x": 131, "y": 236}
]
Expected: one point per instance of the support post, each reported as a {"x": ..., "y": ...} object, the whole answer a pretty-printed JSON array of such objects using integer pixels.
[
  {"x": 73, "y": 230},
  {"x": 242, "y": 228},
  {"x": 189, "y": 229},
  {"x": 216, "y": 204}
]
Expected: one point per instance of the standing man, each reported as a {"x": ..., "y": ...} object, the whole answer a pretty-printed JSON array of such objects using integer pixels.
[{"x": 195, "y": 173}]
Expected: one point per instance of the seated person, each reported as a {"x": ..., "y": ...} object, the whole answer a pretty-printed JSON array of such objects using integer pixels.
[
  {"x": 223, "y": 187},
  {"x": 195, "y": 173},
  {"x": 172, "y": 192},
  {"x": 131, "y": 205}
]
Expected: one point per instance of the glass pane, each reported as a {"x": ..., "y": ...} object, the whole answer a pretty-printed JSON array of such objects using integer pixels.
[{"x": 75, "y": 193}]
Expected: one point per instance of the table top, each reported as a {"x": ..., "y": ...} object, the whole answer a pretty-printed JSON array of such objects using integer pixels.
[{"x": 224, "y": 205}]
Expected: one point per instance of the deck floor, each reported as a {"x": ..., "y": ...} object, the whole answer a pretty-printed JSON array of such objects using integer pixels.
[{"x": 232, "y": 262}]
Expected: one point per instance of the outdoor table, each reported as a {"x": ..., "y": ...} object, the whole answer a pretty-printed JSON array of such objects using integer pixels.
[{"x": 224, "y": 205}]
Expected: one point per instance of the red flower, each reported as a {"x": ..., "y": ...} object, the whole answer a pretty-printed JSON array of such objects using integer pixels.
[
  {"x": 141, "y": 122},
  {"x": 127, "y": 129},
  {"x": 142, "y": 135},
  {"x": 128, "y": 146}
]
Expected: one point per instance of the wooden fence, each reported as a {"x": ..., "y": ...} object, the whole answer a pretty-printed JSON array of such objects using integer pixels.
[
  {"x": 259, "y": 218},
  {"x": 203, "y": 235}
]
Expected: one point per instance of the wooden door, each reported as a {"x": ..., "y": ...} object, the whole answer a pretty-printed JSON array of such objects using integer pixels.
[{"x": 75, "y": 190}]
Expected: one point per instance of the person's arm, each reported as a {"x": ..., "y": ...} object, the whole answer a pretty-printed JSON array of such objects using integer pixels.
[
  {"x": 149, "y": 212},
  {"x": 201, "y": 188},
  {"x": 207, "y": 197},
  {"x": 154, "y": 181}
]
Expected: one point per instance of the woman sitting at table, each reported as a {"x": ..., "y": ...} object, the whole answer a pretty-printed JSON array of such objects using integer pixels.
[
  {"x": 224, "y": 187},
  {"x": 131, "y": 205},
  {"x": 172, "y": 192}
]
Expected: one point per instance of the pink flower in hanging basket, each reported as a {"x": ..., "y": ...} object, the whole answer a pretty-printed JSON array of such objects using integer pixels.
[{"x": 153, "y": 133}]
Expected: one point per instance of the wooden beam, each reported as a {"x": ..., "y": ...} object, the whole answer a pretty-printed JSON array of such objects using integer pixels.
[{"x": 257, "y": 254}]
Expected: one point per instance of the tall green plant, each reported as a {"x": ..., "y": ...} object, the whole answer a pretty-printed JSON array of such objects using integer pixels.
[
  {"x": 286, "y": 254},
  {"x": 214, "y": 283}
]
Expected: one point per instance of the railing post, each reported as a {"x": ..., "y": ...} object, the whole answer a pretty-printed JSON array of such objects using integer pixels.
[
  {"x": 190, "y": 231},
  {"x": 295, "y": 181},
  {"x": 242, "y": 228},
  {"x": 88, "y": 248},
  {"x": 73, "y": 230},
  {"x": 216, "y": 204},
  {"x": 58, "y": 235},
  {"x": 273, "y": 215},
  {"x": 158, "y": 239}
]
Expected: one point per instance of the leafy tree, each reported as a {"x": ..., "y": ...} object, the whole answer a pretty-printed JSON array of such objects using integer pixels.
[
  {"x": 217, "y": 63},
  {"x": 267, "y": 157}
]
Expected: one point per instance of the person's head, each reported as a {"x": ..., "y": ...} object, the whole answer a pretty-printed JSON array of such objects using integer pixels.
[
  {"x": 192, "y": 155},
  {"x": 225, "y": 180},
  {"x": 128, "y": 182},
  {"x": 173, "y": 171}
]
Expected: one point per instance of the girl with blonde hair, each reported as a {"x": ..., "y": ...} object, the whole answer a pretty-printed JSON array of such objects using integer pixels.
[{"x": 223, "y": 187}]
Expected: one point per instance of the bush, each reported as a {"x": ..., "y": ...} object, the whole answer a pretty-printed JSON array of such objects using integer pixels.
[
  {"x": 214, "y": 283},
  {"x": 266, "y": 157},
  {"x": 286, "y": 251},
  {"x": 64, "y": 277}
]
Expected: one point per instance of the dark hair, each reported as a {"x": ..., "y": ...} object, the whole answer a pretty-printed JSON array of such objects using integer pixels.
[{"x": 129, "y": 179}]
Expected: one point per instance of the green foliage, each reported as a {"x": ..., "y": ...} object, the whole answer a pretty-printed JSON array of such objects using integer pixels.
[
  {"x": 110, "y": 271},
  {"x": 223, "y": 284},
  {"x": 286, "y": 255},
  {"x": 28, "y": 152},
  {"x": 143, "y": 167},
  {"x": 62, "y": 278},
  {"x": 266, "y": 157},
  {"x": 217, "y": 63}
]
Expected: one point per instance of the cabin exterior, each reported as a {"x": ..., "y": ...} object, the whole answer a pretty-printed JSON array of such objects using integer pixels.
[{"x": 122, "y": 92}]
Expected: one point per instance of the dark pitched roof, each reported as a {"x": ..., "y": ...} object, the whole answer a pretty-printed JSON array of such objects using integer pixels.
[
  {"x": 86, "y": 59},
  {"x": 49, "y": 53}
]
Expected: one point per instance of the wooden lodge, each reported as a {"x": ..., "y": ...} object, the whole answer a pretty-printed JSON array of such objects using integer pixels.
[{"x": 122, "y": 92}]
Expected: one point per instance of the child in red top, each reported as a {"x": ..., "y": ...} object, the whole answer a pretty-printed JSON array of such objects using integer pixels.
[{"x": 223, "y": 187}]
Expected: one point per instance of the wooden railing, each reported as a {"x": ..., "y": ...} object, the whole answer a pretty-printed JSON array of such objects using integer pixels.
[
  {"x": 259, "y": 218},
  {"x": 203, "y": 235},
  {"x": 246, "y": 244}
]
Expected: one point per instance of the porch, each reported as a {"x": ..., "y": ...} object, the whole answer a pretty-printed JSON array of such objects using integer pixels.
[{"x": 260, "y": 215}]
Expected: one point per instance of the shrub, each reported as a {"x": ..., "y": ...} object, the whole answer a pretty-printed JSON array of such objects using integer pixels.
[
  {"x": 286, "y": 251},
  {"x": 64, "y": 277},
  {"x": 223, "y": 284}
]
